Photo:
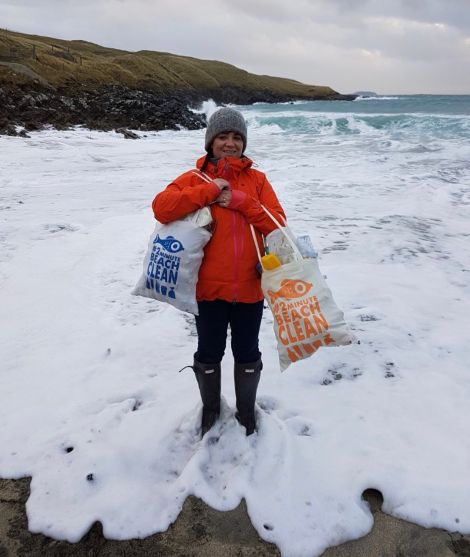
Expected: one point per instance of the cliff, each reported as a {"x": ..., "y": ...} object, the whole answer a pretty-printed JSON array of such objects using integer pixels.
[{"x": 44, "y": 80}]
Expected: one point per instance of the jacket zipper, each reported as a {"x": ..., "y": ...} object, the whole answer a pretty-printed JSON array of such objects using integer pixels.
[{"x": 235, "y": 257}]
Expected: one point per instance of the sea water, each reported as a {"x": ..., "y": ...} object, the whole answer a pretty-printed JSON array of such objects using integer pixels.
[
  {"x": 92, "y": 406},
  {"x": 397, "y": 165}
]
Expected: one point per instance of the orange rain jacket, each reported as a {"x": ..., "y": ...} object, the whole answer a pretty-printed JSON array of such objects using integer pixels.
[{"x": 228, "y": 270}]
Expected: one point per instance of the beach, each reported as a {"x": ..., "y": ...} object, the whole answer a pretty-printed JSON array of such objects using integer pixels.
[
  {"x": 95, "y": 411},
  {"x": 202, "y": 531}
]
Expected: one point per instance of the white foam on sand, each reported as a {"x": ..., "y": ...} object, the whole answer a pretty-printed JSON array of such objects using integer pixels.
[{"x": 92, "y": 404}]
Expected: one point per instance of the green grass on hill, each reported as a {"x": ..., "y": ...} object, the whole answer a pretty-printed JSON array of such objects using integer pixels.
[{"x": 79, "y": 64}]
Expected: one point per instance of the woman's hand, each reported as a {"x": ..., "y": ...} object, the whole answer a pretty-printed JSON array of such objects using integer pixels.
[
  {"x": 221, "y": 183},
  {"x": 225, "y": 197}
]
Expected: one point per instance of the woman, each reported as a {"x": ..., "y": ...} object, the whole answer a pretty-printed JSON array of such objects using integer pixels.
[{"x": 229, "y": 286}]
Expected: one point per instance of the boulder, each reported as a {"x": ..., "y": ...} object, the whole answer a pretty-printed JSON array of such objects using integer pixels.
[{"x": 127, "y": 133}]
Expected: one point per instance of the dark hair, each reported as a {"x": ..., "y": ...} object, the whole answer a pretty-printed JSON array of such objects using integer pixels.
[{"x": 207, "y": 159}]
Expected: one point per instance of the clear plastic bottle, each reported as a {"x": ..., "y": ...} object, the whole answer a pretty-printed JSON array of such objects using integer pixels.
[
  {"x": 304, "y": 243},
  {"x": 277, "y": 243}
]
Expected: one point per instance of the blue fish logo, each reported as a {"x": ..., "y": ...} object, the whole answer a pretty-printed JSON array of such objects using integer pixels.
[{"x": 170, "y": 243}]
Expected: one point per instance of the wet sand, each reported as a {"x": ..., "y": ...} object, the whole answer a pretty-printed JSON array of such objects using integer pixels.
[{"x": 202, "y": 531}]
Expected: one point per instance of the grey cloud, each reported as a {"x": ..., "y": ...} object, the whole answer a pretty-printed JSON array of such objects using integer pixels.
[
  {"x": 455, "y": 13},
  {"x": 348, "y": 44}
]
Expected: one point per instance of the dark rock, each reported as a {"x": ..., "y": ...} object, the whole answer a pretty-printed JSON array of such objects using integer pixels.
[
  {"x": 339, "y": 97},
  {"x": 32, "y": 127},
  {"x": 117, "y": 106},
  {"x": 7, "y": 127},
  {"x": 365, "y": 94},
  {"x": 127, "y": 133}
]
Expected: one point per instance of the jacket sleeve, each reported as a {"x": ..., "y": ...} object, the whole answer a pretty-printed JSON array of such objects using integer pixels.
[
  {"x": 254, "y": 213},
  {"x": 184, "y": 195}
]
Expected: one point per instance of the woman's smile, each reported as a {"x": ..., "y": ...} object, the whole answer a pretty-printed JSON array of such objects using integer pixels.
[{"x": 227, "y": 144}]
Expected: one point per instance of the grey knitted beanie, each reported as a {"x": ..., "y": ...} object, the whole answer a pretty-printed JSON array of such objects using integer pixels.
[{"x": 225, "y": 120}]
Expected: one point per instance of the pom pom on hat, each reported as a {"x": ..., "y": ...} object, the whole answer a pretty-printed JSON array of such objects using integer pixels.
[{"x": 225, "y": 120}]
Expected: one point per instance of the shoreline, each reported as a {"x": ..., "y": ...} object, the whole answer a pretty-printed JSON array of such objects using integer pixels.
[
  {"x": 76, "y": 210},
  {"x": 202, "y": 531},
  {"x": 34, "y": 107}
]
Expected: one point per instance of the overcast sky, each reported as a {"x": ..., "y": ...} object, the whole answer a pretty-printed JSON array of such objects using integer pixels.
[{"x": 387, "y": 46}]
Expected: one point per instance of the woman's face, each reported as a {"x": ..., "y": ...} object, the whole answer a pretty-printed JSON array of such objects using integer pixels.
[{"x": 227, "y": 144}]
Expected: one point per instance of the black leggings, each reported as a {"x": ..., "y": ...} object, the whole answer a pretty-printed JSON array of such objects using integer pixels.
[{"x": 212, "y": 324}]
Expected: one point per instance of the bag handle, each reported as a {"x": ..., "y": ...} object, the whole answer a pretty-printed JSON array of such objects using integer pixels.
[
  {"x": 202, "y": 175},
  {"x": 295, "y": 249},
  {"x": 256, "y": 242},
  {"x": 192, "y": 217},
  {"x": 206, "y": 178}
]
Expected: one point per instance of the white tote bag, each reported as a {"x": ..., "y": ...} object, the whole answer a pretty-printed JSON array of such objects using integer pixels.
[
  {"x": 172, "y": 261},
  {"x": 305, "y": 315}
]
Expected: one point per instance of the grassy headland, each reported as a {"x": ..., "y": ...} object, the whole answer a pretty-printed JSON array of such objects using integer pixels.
[{"x": 89, "y": 75}]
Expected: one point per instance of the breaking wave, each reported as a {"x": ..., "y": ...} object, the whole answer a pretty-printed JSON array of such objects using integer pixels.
[{"x": 399, "y": 125}]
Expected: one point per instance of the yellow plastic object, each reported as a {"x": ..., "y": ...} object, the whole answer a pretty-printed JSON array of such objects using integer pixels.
[{"x": 270, "y": 262}]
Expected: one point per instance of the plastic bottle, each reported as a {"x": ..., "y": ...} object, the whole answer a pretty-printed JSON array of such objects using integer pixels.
[
  {"x": 270, "y": 262},
  {"x": 304, "y": 243},
  {"x": 277, "y": 243}
]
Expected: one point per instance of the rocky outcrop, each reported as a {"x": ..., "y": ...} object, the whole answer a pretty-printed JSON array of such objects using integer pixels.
[
  {"x": 46, "y": 81},
  {"x": 109, "y": 108},
  {"x": 31, "y": 107},
  {"x": 106, "y": 108}
]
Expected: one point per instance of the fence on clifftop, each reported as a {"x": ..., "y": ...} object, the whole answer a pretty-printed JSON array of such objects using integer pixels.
[{"x": 15, "y": 53}]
